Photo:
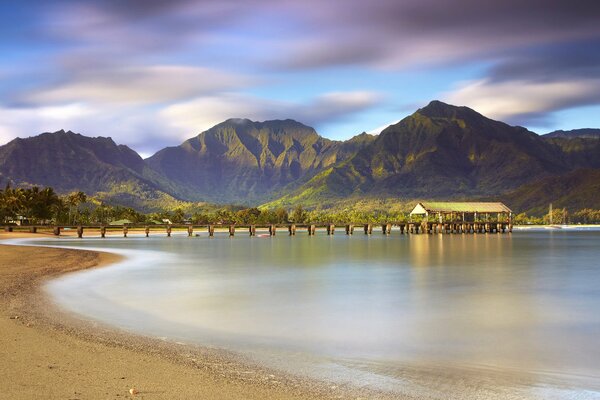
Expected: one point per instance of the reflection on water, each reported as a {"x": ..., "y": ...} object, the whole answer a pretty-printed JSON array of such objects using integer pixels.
[{"x": 384, "y": 309}]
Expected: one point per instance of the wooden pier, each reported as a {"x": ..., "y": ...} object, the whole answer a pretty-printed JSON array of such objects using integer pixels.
[
  {"x": 387, "y": 229},
  {"x": 426, "y": 218}
]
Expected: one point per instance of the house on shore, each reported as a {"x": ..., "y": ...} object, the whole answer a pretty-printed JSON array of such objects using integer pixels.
[{"x": 463, "y": 211}]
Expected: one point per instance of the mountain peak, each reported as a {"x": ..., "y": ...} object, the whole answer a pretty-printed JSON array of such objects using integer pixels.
[
  {"x": 273, "y": 124},
  {"x": 439, "y": 109},
  {"x": 238, "y": 121},
  {"x": 70, "y": 135}
]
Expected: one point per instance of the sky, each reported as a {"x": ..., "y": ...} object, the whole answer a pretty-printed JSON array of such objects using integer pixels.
[{"x": 152, "y": 73}]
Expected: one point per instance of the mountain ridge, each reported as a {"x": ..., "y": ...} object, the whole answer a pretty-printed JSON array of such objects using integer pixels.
[
  {"x": 240, "y": 159},
  {"x": 573, "y": 133},
  {"x": 69, "y": 161},
  {"x": 440, "y": 151}
]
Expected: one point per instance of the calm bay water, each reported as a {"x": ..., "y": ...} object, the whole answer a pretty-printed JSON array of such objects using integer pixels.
[{"x": 475, "y": 315}]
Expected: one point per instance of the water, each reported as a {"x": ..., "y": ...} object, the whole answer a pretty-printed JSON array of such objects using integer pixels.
[{"x": 423, "y": 314}]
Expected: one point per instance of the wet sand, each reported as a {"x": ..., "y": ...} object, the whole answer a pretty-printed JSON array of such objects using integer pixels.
[{"x": 47, "y": 353}]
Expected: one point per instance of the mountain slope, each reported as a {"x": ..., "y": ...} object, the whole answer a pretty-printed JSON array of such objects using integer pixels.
[
  {"x": 245, "y": 161},
  {"x": 578, "y": 151},
  {"x": 68, "y": 162},
  {"x": 575, "y": 133},
  {"x": 440, "y": 151},
  {"x": 575, "y": 190}
]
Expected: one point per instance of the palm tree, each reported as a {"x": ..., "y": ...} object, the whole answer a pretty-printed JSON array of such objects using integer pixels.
[
  {"x": 12, "y": 202},
  {"x": 74, "y": 200}
]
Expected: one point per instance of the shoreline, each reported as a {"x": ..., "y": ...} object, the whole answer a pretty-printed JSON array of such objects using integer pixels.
[{"x": 94, "y": 360}]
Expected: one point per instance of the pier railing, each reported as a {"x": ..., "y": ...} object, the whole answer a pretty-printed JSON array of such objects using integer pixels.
[{"x": 425, "y": 227}]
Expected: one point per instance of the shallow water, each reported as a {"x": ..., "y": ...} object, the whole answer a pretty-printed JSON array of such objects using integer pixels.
[{"x": 475, "y": 315}]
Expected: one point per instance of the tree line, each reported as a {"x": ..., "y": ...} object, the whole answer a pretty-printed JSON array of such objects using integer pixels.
[
  {"x": 44, "y": 206},
  {"x": 38, "y": 206}
]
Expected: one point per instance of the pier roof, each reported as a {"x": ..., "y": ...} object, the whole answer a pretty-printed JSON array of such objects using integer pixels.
[{"x": 460, "y": 207}]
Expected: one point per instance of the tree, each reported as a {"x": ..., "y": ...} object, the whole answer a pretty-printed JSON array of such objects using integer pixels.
[
  {"x": 11, "y": 203},
  {"x": 178, "y": 216},
  {"x": 247, "y": 216},
  {"x": 225, "y": 216},
  {"x": 42, "y": 203},
  {"x": 73, "y": 200},
  {"x": 299, "y": 215},
  {"x": 282, "y": 215},
  {"x": 200, "y": 218}
]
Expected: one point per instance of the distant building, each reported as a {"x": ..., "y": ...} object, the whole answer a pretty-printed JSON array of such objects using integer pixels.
[{"x": 463, "y": 211}]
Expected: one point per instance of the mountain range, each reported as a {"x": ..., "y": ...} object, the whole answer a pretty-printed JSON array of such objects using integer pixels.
[
  {"x": 439, "y": 152},
  {"x": 581, "y": 133}
]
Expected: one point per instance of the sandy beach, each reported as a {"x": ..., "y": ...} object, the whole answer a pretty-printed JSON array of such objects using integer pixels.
[{"x": 46, "y": 353}]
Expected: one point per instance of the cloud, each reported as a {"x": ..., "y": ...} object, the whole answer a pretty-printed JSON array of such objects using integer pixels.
[
  {"x": 200, "y": 114},
  {"x": 525, "y": 102},
  {"x": 397, "y": 34},
  {"x": 316, "y": 34},
  {"x": 23, "y": 122},
  {"x": 141, "y": 68},
  {"x": 145, "y": 133},
  {"x": 527, "y": 87},
  {"x": 135, "y": 85},
  {"x": 565, "y": 60},
  {"x": 170, "y": 125}
]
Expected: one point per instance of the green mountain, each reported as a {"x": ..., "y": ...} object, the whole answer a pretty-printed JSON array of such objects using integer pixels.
[
  {"x": 440, "y": 151},
  {"x": 575, "y": 190},
  {"x": 575, "y": 133},
  {"x": 578, "y": 151},
  {"x": 248, "y": 162},
  {"x": 69, "y": 162}
]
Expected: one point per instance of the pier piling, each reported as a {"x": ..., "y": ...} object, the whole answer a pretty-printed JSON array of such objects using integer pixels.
[
  {"x": 330, "y": 229},
  {"x": 426, "y": 227}
]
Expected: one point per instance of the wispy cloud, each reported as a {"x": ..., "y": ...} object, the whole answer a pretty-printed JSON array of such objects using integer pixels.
[
  {"x": 153, "y": 71},
  {"x": 529, "y": 86},
  {"x": 200, "y": 114},
  {"x": 525, "y": 102},
  {"x": 396, "y": 34},
  {"x": 136, "y": 85}
]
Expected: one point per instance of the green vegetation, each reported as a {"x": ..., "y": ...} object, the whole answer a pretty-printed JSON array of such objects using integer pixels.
[
  {"x": 577, "y": 190},
  {"x": 246, "y": 161},
  {"x": 38, "y": 205},
  {"x": 560, "y": 217},
  {"x": 44, "y": 206}
]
